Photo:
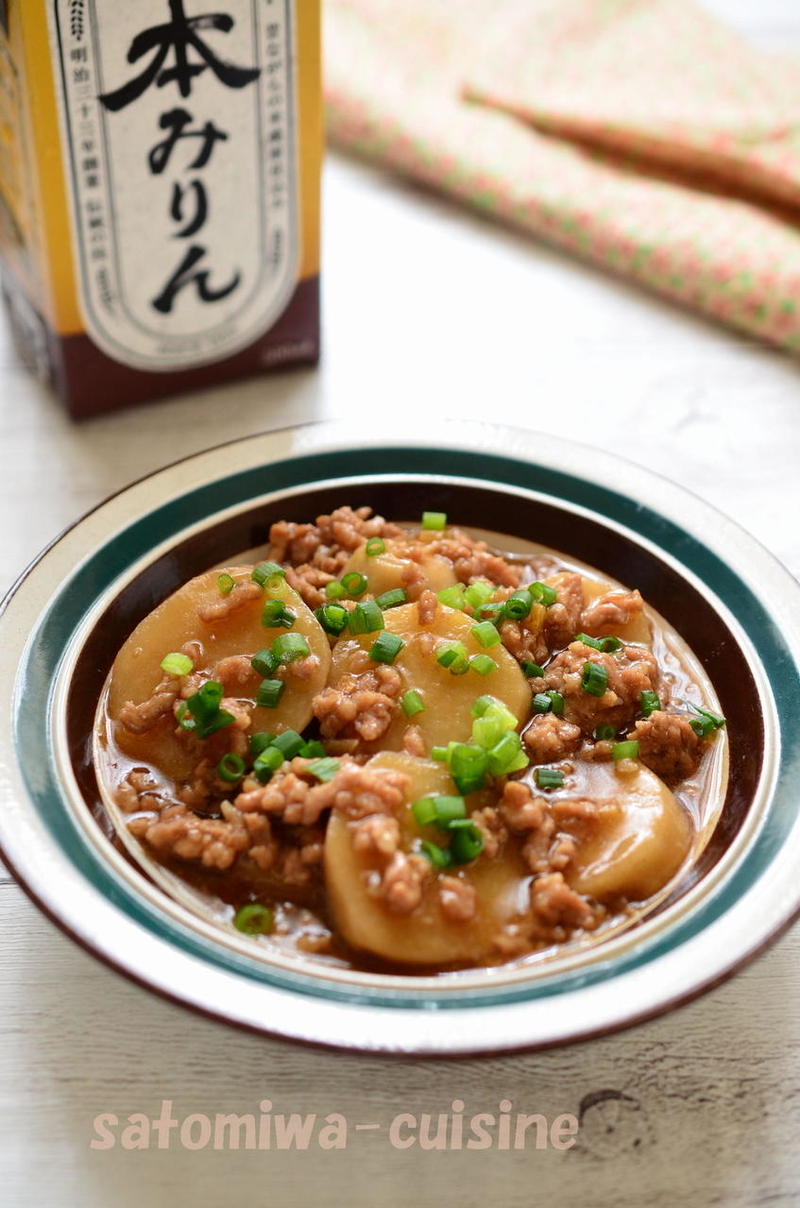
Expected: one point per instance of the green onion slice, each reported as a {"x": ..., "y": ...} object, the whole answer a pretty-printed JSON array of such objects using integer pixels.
[
  {"x": 375, "y": 546},
  {"x": 323, "y": 769},
  {"x": 485, "y": 633},
  {"x": 366, "y": 617},
  {"x": 438, "y": 856},
  {"x": 478, "y": 593},
  {"x": 225, "y": 583},
  {"x": 412, "y": 703},
  {"x": 354, "y": 583},
  {"x": 467, "y": 841},
  {"x": 290, "y": 646},
  {"x": 603, "y": 733},
  {"x": 265, "y": 571},
  {"x": 532, "y": 670},
  {"x": 269, "y": 693},
  {"x": 649, "y": 702},
  {"x": 259, "y": 742},
  {"x": 332, "y": 618},
  {"x": 594, "y": 679},
  {"x": 452, "y": 597},
  {"x": 313, "y": 749},
  {"x": 177, "y": 663},
  {"x": 254, "y": 919},
  {"x": 334, "y": 590},
  {"x": 289, "y": 743},
  {"x": 504, "y": 753},
  {"x": 390, "y": 599},
  {"x": 264, "y": 662},
  {"x": 434, "y": 521},
  {"x": 548, "y": 778},
  {"x": 231, "y": 768},
  {"x": 483, "y": 664},
  {"x": 275, "y": 615},
  {"x": 543, "y": 593},
  {"x": 468, "y": 767},
  {"x": 267, "y": 763},
  {"x": 517, "y": 606},
  {"x": 386, "y": 648},
  {"x": 541, "y": 703},
  {"x": 625, "y": 750}
]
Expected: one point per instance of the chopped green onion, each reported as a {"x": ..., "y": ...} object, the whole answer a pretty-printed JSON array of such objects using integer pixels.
[
  {"x": 434, "y": 521},
  {"x": 483, "y": 704},
  {"x": 483, "y": 664},
  {"x": 556, "y": 702},
  {"x": 386, "y": 648},
  {"x": 313, "y": 749},
  {"x": 334, "y": 590},
  {"x": 438, "y": 856},
  {"x": 269, "y": 693},
  {"x": 276, "y": 615},
  {"x": 607, "y": 645},
  {"x": 205, "y": 710},
  {"x": 468, "y": 766},
  {"x": 467, "y": 841},
  {"x": 604, "y": 733},
  {"x": 260, "y": 741},
  {"x": 532, "y": 670},
  {"x": 625, "y": 750},
  {"x": 449, "y": 809},
  {"x": 264, "y": 662},
  {"x": 288, "y": 743},
  {"x": 267, "y": 763},
  {"x": 453, "y": 656},
  {"x": 375, "y": 546},
  {"x": 354, "y": 583},
  {"x": 649, "y": 702},
  {"x": 265, "y": 571},
  {"x": 706, "y": 722},
  {"x": 439, "y": 753},
  {"x": 225, "y": 583},
  {"x": 390, "y": 599},
  {"x": 254, "y": 919},
  {"x": 548, "y": 778},
  {"x": 412, "y": 703},
  {"x": 452, "y": 597},
  {"x": 485, "y": 633},
  {"x": 489, "y": 728},
  {"x": 177, "y": 664},
  {"x": 332, "y": 618},
  {"x": 323, "y": 769},
  {"x": 231, "y": 768},
  {"x": 542, "y": 593},
  {"x": 594, "y": 679},
  {"x": 478, "y": 593},
  {"x": 366, "y": 617},
  {"x": 424, "y": 811},
  {"x": 504, "y": 753},
  {"x": 541, "y": 703},
  {"x": 517, "y": 606},
  {"x": 290, "y": 646}
]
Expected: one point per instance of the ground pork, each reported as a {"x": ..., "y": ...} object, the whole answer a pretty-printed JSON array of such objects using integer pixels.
[
  {"x": 212, "y": 842},
  {"x": 316, "y": 553},
  {"x": 559, "y": 624},
  {"x": 493, "y": 830},
  {"x": 668, "y": 745},
  {"x": 377, "y": 835},
  {"x": 609, "y": 612},
  {"x": 362, "y": 705},
  {"x": 550, "y": 738},
  {"x": 473, "y": 559},
  {"x": 631, "y": 670},
  {"x": 403, "y": 881},
  {"x": 216, "y": 609},
  {"x": 138, "y": 719},
  {"x": 427, "y": 606},
  {"x": 558, "y": 910},
  {"x": 296, "y": 798},
  {"x": 458, "y": 899}
]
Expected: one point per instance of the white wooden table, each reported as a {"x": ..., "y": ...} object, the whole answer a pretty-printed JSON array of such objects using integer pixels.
[{"x": 427, "y": 310}]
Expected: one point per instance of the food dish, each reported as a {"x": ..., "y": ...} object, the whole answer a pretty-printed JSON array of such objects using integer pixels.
[
  {"x": 729, "y": 601},
  {"x": 403, "y": 747}
]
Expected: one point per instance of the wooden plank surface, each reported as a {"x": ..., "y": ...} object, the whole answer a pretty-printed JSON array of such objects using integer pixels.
[{"x": 426, "y": 309}]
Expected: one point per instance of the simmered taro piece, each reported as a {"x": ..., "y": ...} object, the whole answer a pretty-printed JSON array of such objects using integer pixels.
[{"x": 396, "y": 747}]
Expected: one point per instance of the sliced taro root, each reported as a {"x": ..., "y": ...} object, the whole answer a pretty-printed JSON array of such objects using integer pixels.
[{"x": 176, "y": 622}]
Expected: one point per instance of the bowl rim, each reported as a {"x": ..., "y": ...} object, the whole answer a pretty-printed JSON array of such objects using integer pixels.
[{"x": 429, "y": 1038}]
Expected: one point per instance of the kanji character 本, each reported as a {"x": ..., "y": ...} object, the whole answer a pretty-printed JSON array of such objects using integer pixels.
[
  {"x": 186, "y": 273},
  {"x": 176, "y": 121},
  {"x": 177, "y": 208},
  {"x": 179, "y": 34}
]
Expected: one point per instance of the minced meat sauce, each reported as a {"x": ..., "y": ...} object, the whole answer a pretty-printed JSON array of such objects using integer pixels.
[{"x": 400, "y": 747}]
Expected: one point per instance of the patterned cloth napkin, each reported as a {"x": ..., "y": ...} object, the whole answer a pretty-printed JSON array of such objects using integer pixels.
[{"x": 639, "y": 134}]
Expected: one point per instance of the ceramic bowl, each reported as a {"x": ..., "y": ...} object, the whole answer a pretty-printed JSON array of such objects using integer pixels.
[{"x": 730, "y": 600}]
